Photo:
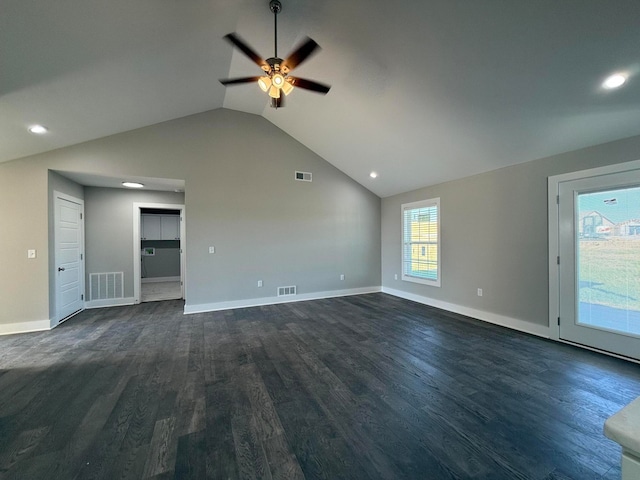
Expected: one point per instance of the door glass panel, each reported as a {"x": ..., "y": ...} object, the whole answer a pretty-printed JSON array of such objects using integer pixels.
[{"x": 608, "y": 266}]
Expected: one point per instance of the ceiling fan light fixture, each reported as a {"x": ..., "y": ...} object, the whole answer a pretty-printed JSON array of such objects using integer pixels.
[
  {"x": 264, "y": 83},
  {"x": 274, "y": 92},
  {"x": 287, "y": 88},
  {"x": 278, "y": 80}
]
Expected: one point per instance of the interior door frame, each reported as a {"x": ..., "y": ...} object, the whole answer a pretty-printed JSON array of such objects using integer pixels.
[
  {"x": 69, "y": 198},
  {"x": 553, "y": 192},
  {"x": 137, "y": 276}
]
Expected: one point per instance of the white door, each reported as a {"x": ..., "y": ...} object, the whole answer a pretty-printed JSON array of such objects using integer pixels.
[
  {"x": 599, "y": 271},
  {"x": 69, "y": 253}
]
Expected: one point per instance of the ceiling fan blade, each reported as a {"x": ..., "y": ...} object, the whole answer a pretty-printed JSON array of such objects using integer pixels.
[
  {"x": 235, "y": 81},
  {"x": 300, "y": 54},
  {"x": 234, "y": 39},
  {"x": 309, "y": 85}
]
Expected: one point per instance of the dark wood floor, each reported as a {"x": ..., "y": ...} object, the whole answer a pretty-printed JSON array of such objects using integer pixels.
[{"x": 368, "y": 386}]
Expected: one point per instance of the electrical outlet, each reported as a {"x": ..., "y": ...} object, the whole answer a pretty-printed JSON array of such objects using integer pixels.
[
  {"x": 31, "y": 254},
  {"x": 212, "y": 249},
  {"x": 479, "y": 292},
  {"x": 342, "y": 277},
  {"x": 395, "y": 276},
  {"x": 259, "y": 283}
]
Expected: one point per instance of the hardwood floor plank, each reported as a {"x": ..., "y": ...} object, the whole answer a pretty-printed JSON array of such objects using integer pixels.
[
  {"x": 250, "y": 455},
  {"x": 105, "y": 448},
  {"x": 283, "y": 463},
  {"x": 162, "y": 450},
  {"x": 191, "y": 456},
  {"x": 25, "y": 442}
]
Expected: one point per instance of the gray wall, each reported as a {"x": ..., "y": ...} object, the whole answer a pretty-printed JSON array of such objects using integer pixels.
[
  {"x": 494, "y": 234},
  {"x": 165, "y": 262},
  {"x": 240, "y": 197},
  {"x": 109, "y": 229}
]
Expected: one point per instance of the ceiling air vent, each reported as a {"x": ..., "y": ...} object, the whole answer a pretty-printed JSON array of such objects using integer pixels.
[
  {"x": 285, "y": 291},
  {"x": 303, "y": 176}
]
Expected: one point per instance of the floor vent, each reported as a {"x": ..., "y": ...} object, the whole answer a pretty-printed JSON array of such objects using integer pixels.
[
  {"x": 303, "y": 176},
  {"x": 105, "y": 286},
  {"x": 285, "y": 291}
]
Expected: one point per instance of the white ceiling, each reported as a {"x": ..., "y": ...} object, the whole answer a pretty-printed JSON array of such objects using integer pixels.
[{"x": 423, "y": 91}]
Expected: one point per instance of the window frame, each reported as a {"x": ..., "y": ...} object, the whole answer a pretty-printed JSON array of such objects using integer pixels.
[{"x": 432, "y": 202}]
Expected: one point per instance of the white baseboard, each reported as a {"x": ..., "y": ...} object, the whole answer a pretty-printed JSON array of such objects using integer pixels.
[
  {"x": 25, "y": 327},
  {"x": 256, "y": 302},
  {"x": 509, "y": 322},
  {"x": 160, "y": 279},
  {"x": 112, "y": 302}
]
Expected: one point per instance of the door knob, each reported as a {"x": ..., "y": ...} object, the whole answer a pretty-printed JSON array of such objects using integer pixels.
[{"x": 61, "y": 269}]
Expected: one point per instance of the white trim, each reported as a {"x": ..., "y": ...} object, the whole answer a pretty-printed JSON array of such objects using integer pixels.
[
  {"x": 553, "y": 216},
  {"x": 137, "y": 276},
  {"x": 256, "y": 302},
  {"x": 110, "y": 302},
  {"x": 509, "y": 322},
  {"x": 25, "y": 327},
  {"x": 160, "y": 279},
  {"x": 553, "y": 190},
  {"x": 411, "y": 206}
]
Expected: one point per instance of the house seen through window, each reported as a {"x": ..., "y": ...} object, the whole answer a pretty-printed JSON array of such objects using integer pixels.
[{"x": 421, "y": 242}]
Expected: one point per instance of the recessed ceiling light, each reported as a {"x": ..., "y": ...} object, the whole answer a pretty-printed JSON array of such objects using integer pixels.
[
  {"x": 38, "y": 129},
  {"x": 132, "y": 184},
  {"x": 373, "y": 174},
  {"x": 614, "y": 81}
]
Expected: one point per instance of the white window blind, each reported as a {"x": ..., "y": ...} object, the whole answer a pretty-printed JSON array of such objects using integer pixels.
[{"x": 421, "y": 242}]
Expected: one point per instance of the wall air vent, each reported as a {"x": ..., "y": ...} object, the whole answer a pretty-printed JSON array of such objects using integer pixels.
[
  {"x": 303, "y": 176},
  {"x": 105, "y": 286},
  {"x": 286, "y": 291}
]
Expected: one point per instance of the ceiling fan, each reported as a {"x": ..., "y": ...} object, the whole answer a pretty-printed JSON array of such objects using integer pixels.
[{"x": 276, "y": 81}]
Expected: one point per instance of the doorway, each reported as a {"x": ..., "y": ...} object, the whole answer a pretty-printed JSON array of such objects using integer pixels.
[
  {"x": 598, "y": 259},
  {"x": 68, "y": 255},
  {"x": 159, "y": 238}
]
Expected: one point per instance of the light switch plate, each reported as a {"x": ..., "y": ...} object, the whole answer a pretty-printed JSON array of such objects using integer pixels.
[{"x": 31, "y": 254}]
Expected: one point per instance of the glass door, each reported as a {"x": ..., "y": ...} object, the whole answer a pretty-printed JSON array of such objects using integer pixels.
[{"x": 599, "y": 272}]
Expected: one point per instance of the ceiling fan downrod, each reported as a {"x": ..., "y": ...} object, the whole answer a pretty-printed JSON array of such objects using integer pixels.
[{"x": 276, "y": 7}]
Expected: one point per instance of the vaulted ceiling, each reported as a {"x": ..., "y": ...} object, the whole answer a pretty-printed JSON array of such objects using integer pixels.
[{"x": 423, "y": 91}]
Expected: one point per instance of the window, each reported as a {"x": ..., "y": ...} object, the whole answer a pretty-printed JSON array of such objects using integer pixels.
[{"x": 421, "y": 242}]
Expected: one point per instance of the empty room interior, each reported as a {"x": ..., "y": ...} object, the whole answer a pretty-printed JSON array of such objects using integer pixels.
[{"x": 302, "y": 239}]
